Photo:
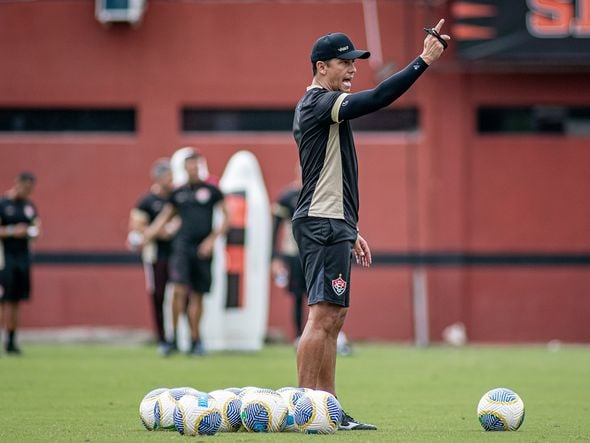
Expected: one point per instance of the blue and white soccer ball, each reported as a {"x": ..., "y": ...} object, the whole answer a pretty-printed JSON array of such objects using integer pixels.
[
  {"x": 197, "y": 415},
  {"x": 263, "y": 410},
  {"x": 318, "y": 412},
  {"x": 164, "y": 411},
  {"x": 291, "y": 396},
  {"x": 500, "y": 410},
  {"x": 234, "y": 390},
  {"x": 178, "y": 393},
  {"x": 146, "y": 408},
  {"x": 229, "y": 406},
  {"x": 250, "y": 389}
]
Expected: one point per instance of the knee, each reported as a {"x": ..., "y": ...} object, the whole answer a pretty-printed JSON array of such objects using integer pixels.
[{"x": 328, "y": 319}]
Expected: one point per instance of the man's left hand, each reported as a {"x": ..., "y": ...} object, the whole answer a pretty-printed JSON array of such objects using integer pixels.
[
  {"x": 205, "y": 249},
  {"x": 362, "y": 252}
]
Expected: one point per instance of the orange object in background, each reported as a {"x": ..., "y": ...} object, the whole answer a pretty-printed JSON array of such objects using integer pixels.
[{"x": 234, "y": 249}]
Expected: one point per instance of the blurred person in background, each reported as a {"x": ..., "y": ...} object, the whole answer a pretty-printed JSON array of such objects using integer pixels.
[
  {"x": 155, "y": 254},
  {"x": 192, "y": 248},
  {"x": 325, "y": 223},
  {"x": 286, "y": 269},
  {"x": 19, "y": 223}
]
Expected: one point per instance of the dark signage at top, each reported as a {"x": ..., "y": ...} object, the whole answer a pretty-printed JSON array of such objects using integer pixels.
[{"x": 523, "y": 30}]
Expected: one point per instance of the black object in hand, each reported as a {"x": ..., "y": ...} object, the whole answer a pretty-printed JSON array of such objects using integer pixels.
[{"x": 435, "y": 33}]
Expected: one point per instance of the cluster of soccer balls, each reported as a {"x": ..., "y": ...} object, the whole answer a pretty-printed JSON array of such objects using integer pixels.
[{"x": 192, "y": 412}]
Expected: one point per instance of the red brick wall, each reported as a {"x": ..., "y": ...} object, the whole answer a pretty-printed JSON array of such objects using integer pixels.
[{"x": 445, "y": 189}]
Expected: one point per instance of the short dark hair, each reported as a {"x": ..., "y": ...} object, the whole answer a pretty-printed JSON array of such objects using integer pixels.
[
  {"x": 194, "y": 153},
  {"x": 160, "y": 167},
  {"x": 26, "y": 176},
  {"x": 314, "y": 67}
]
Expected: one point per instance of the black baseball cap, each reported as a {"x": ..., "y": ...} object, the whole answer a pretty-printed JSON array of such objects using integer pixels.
[{"x": 336, "y": 45}]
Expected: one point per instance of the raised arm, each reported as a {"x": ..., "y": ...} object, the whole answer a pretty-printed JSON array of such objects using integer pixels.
[{"x": 364, "y": 102}]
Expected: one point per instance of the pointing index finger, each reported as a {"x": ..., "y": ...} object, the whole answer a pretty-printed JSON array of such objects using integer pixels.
[{"x": 439, "y": 25}]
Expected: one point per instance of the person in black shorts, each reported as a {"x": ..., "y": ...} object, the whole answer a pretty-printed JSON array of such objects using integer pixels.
[
  {"x": 286, "y": 265},
  {"x": 19, "y": 223},
  {"x": 155, "y": 254},
  {"x": 192, "y": 247},
  {"x": 325, "y": 223}
]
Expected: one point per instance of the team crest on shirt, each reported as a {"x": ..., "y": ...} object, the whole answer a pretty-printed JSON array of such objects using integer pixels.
[
  {"x": 339, "y": 285},
  {"x": 203, "y": 195},
  {"x": 29, "y": 212}
]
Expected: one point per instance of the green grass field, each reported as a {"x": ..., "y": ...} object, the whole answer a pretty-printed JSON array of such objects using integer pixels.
[{"x": 92, "y": 393}]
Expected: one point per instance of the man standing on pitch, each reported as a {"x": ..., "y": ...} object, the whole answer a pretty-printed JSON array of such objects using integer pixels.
[
  {"x": 155, "y": 255},
  {"x": 325, "y": 221},
  {"x": 192, "y": 247},
  {"x": 19, "y": 223}
]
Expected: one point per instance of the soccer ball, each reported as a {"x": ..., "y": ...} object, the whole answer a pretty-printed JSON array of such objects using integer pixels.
[
  {"x": 146, "y": 408},
  {"x": 500, "y": 410},
  {"x": 263, "y": 410},
  {"x": 250, "y": 389},
  {"x": 291, "y": 396},
  {"x": 229, "y": 406},
  {"x": 197, "y": 415},
  {"x": 317, "y": 412},
  {"x": 236, "y": 391},
  {"x": 178, "y": 393},
  {"x": 165, "y": 404},
  {"x": 164, "y": 411}
]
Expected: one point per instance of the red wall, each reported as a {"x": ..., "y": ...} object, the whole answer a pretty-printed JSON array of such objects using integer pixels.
[{"x": 444, "y": 189}]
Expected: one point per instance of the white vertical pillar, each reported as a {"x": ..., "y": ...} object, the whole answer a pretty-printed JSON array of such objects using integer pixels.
[{"x": 420, "y": 306}]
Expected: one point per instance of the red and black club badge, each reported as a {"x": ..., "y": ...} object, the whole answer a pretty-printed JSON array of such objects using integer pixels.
[{"x": 339, "y": 285}]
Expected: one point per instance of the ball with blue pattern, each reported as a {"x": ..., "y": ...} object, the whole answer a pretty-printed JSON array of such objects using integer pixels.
[
  {"x": 500, "y": 409},
  {"x": 229, "y": 406},
  {"x": 146, "y": 408},
  {"x": 197, "y": 415},
  {"x": 317, "y": 412},
  {"x": 263, "y": 410},
  {"x": 291, "y": 396},
  {"x": 164, "y": 411}
]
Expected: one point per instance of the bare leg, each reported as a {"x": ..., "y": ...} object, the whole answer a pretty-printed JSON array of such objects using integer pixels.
[
  {"x": 327, "y": 376},
  {"x": 180, "y": 294},
  {"x": 195, "y": 311},
  {"x": 316, "y": 354},
  {"x": 11, "y": 315}
]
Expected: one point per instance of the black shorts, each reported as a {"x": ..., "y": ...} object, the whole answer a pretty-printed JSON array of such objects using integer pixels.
[
  {"x": 15, "y": 279},
  {"x": 325, "y": 247},
  {"x": 187, "y": 268},
  {"x": 296, "y": 285}
]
